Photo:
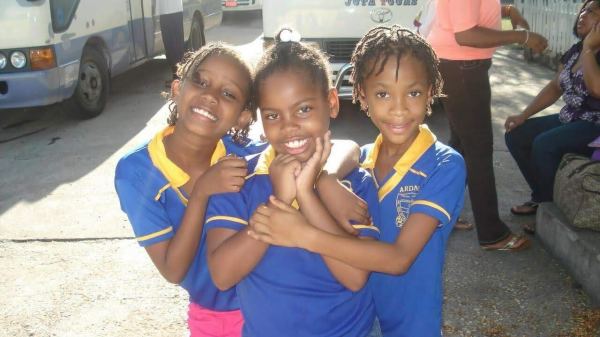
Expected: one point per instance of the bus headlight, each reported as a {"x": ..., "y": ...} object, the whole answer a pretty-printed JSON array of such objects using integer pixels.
[
  {"x": 2, "y": 61},
  {"x": 42, "y": 58},
  {"x": 18, "y": 59}
]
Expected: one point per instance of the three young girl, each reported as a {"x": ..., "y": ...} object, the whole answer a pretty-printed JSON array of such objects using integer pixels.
[{"x": 300, "y": 272}]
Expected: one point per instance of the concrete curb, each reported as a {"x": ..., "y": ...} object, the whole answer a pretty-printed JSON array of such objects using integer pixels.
[{"x": 577, "y": 250}]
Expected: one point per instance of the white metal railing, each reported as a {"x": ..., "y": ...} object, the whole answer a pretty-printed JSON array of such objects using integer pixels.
[{"x": 554, "y": 20}]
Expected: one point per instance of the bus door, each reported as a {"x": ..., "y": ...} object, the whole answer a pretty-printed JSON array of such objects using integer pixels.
[{"x": 137, "y": 28}]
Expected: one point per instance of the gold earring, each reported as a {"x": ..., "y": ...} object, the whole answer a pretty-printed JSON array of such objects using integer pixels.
[{"x": 367, "y": 111}]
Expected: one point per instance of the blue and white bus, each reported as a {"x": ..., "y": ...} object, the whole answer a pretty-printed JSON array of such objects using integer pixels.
[{"x": 67, "y": 50}]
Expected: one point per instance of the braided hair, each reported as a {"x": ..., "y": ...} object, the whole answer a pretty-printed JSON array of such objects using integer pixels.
[
  {"x": 291, "y": 54},
  {"x": 187, "y": 69},
  {"x": 382, "y": 42}
]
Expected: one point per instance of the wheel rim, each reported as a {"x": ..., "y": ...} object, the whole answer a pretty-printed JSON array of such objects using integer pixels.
[{"x": 90, "y": 83}]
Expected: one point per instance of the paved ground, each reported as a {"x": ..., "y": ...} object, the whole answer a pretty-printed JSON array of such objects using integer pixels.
[{"x": 68, "y": 266}]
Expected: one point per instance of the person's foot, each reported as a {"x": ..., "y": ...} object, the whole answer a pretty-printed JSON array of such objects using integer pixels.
[
  {"x": 527, "y": 208},
  {"x": 463, "y": 225},
  {"x": 529, "y": 227},
  {"x": 513, "y": 243}
]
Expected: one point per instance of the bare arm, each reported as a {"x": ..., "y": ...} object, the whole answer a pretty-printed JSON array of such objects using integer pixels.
[
  {"x": 546, "y": 97},
  {"x": 342, "y": 159},
  {"x": 173, "y": 257},
  {"x": 232, "y": 255},
  {"x": 377, "y": 256},
  {"x": 481, "y": 37},
  {"x": 395, "y": 258},
  {"x": 351, "y": 277},
  {"x": 342, "y": 204},
  {"x": 591, "y": 69}
]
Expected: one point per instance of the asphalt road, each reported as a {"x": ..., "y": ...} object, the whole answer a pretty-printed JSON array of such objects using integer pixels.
[{"x": 68, "y": 266}]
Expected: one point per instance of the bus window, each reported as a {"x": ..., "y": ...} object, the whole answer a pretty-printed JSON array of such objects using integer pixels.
[{"x": 62, "y": 12}]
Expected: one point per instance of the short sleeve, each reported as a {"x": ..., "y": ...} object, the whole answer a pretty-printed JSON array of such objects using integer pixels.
[
  {"x": 147, "y": 216},
  {"x": 442, "y": 195},
  {"x": 463, "y": 14},
  {"x": 227, "y": 210},
  {"x": 361, "y": 183}
]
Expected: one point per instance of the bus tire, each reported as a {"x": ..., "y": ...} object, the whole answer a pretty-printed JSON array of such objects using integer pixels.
[
  {"x": 91, "y": 91},
  {"x": 196, "y": 40}
]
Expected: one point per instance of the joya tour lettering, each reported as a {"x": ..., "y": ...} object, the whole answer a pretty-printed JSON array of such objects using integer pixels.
[{"x": 349, "y": 3}]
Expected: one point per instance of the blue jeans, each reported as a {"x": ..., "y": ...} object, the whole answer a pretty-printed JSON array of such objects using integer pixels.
[{"x": 539, "y": 144}]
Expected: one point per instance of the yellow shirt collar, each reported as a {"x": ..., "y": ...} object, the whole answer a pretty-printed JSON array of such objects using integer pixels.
[
  {"x": 265, "y": 160},
  {"x": 425, "y": 139},
  {"x": 174, "y": 174}
]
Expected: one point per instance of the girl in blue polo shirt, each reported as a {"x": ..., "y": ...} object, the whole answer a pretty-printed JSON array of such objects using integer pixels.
[
  {"x": 164, "y": 185},
  {"x": 420, "y": 187},
  {"x": 290, "y": 291}
]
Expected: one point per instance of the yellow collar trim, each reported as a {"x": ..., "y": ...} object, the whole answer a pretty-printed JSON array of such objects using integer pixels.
[
  {"x": 425, "y": 139},
  {"x": 265, "y": 160},
  {"x": 174, "y": 174}
]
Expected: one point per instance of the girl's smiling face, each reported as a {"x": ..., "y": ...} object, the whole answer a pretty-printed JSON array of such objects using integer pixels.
[
  {"x": 295, "y": 112},
  {"x": 397, "y": 99},
  {"x": 210, "y": 102}
]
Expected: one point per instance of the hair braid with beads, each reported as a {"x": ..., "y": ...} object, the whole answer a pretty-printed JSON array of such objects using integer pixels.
[
  {"x": 382, "y": 42},
  {"x": 187, "y": 69}
]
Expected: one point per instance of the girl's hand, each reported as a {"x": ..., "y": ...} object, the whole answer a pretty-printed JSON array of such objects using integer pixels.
[
  {"x": 283, "y": 172},
  {"x": 278, "y": 224},
  {"x": 592, "y": 39},
  {"x": 305, "y": 181},
  {"x": 227, "y": 175},
  {"x": 513, "y": 121},
  {"x": 343, "y": 205}
]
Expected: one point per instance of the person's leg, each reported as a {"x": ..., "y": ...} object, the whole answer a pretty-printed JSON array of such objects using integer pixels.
[
  {"x": 466, "y": 85},
  {"x": 550, "y": 146},
  {"x": 520, "y": 143},
  {"x": 171, "y": 27}
]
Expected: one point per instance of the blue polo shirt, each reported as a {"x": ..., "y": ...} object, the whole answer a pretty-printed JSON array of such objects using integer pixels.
[
  {"x": 430, "y": 179},
  {"x": 291, "y": 292},
  {"x": 149, "y": 188}
]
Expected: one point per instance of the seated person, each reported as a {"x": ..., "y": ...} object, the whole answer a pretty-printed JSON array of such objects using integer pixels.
[{"x": 538, "y": 144}]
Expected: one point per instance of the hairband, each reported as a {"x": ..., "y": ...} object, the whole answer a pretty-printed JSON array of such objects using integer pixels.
[{"x": 288, "y": 35}]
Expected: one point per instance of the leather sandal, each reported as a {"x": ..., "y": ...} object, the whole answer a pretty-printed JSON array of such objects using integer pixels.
[
  {"x": 527, "y": 208},
  {"x": 463, "y": 225},
  {"x": 514, "y": 243}
]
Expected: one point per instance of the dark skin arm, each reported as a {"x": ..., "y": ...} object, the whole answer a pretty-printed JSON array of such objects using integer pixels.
[
  {"x": 287, "y": 227},
  {"x": 546, "y": 97},
  {"x": 343, "y": 205},
  {"x": 481, "y": 37},
  {"x": 316, "y": 214},
  {"x": 591, "y": 69},
  {"x": 173, "y": 257},
  {"x": 232, "y": 255}
]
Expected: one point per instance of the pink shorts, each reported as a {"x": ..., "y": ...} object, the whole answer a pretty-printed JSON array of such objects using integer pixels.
[{"x": 203, "y": 322}]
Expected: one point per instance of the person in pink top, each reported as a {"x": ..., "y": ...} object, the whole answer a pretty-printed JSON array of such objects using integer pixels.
[{"x": 464, "y": 35}]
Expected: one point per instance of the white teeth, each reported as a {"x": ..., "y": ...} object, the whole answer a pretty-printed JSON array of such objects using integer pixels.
[
  {"x": 294, "y": 144},
  {"x": 205, "y": 114}
]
